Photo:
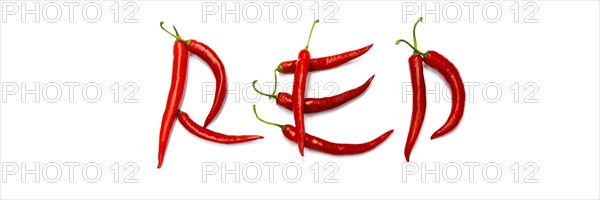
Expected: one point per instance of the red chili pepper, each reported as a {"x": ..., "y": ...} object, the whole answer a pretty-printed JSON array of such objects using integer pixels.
[
  {"x": 457, "y": 87},
  {"x": 299, "y": 89},
  {"x": 415, "y": 63},
  {"x": 210, "y": 135},
  {"x": 180, "y": 62},
  {"x": 210, "y": 57},
  {"x": 325, "y": 62},
  {"x": 314, "y": 105},
  {"x": 325, "y": 146},
  {"x": 452, "y": 76}
]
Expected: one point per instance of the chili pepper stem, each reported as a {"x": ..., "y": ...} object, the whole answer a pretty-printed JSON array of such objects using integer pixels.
[
  {"x": 264, "y": 121},
  {"x": 274, "y": 87},
  {"x": 176, "y": 32},
  {"x": 279, "y": 68},
  {"x": 411, "y": 46},
  {"x": 176, "y": 35},
  {"x": 310, "y": 34},
  {"x": 415, "y": 52},
  {"x": 262, "y": 93}
]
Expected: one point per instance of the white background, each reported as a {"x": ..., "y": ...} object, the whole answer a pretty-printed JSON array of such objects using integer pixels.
[{"x": 556, "y": 135}]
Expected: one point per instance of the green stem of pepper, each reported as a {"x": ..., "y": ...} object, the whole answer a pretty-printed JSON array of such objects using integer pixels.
[
  {"x": 176, "y": 35},
  {"x": 265, "y": 94},
  {"x": 310, "y": 34},
  {"x": 274, "y": 87},
  {"x": 411, "y": 46},
  {"x": 415, "y": 35},
  {"x": 266, "y": 122},
  {"x": 262, "y": 93}
]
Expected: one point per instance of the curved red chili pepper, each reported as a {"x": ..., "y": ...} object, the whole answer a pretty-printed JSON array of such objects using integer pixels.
[
  {"x": 322, "y": 145},
  {"x": 210, "y": 57},
  {"x": 210, "y": 135},
  {"x": 452, "y": 76},
  {"x": 319, "y": 144},
  {"x": 314, "y": 105},
  {"x": 178, "y": 78},
  {"x": 415, "y": 63},
  {"x": 299, "y": 90},
  {"x": 324, "y": 63}
]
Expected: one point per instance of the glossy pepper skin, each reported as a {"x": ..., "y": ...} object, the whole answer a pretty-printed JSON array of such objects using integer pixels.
[
  {"x": 299, "y": 89},
  {"x": 449, "y": 72},
  {"x": 323, "y": 145},
  {"x": 214, "y": 62},
  {"x": 180, "y": 63},
  {"x": 298, "y": 94},
  {"x": 210, "y": 135},
  {"x": 452, "y": 76},
  {"x": 415, "y": 63},
  {"x": 314, "y": 105},
  {"x": 324, "y": 63}
]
